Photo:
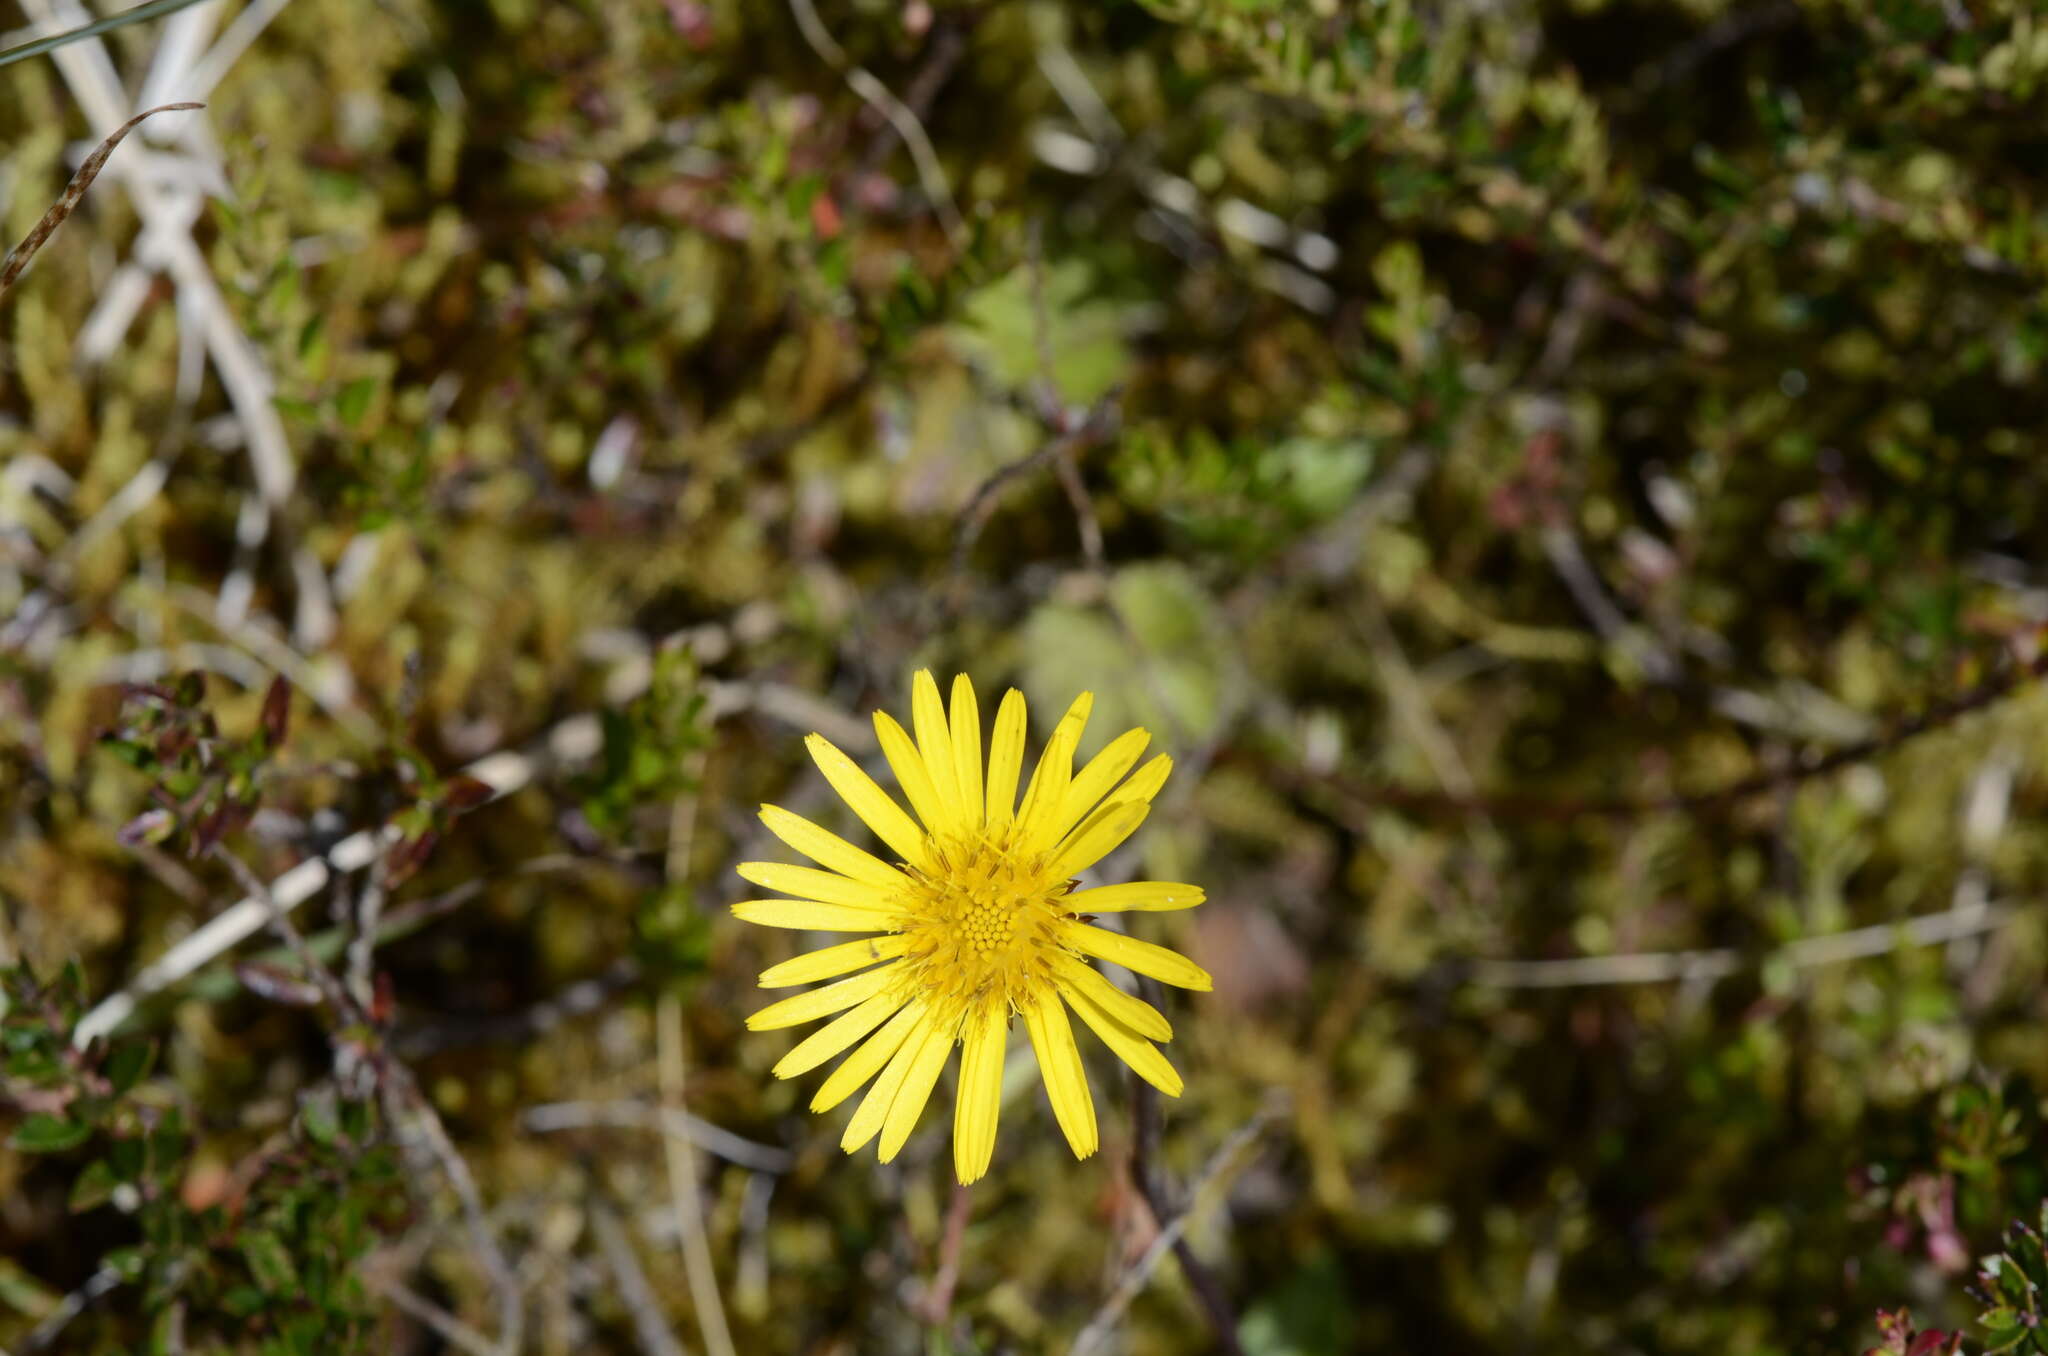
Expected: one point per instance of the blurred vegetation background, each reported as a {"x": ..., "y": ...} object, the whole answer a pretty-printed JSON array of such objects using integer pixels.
[{"x": 1565, "y": 478}]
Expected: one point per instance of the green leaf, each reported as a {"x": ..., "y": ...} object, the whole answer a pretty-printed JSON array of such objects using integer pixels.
[
  {"x": 128, "y": 1263},
  {"x": 354, "y": 401},
  {"x": 128, "y": 1065},
  {"x": 270, "y": 1262},
  {"x": 93, "y": 1186},
  {"x": 320, "y": 1118},
  {"x": 23, "y": 1293},
  {"x": 42, "y": 1133}
]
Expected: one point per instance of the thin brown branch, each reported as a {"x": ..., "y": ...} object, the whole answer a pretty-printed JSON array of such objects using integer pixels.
[
  {"x": 404, "y": 1103},
  {"x": 633, "y": 1290},
  {"x": 402, "y": 1095},
  {"x": 666, "y": 1120},
  {"x": 1170, "y": 1233},
  {"x": 1659, "y": 967},
  {"x": 1094, "y": 430},
  {"x": 1355, "y": 797},
  {"x": 682, "y": 1180},
  {"x": 930, "y": 173},
  {"x": 1150, "y": 1180},
  {"x": 445, "y": 1325},
  {"x": 938, "y": 1301}
]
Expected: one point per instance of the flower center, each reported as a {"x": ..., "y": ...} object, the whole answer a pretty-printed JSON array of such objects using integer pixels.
[{"x": 981, "y": 923}]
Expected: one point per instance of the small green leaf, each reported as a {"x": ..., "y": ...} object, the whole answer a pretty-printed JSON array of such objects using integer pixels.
[
  {"x": 354, "y": 401},
  {"x": 270, "y": 1262},
  {"x": 128, "y": 1263},
  {"x": 93, "y": 1186},
  {"x": 129, "y": 1064},
  {"x": 320, "y": 1118},
  {"x": 42, "y": 1133},
  {"x": 23, "y": 1293}
]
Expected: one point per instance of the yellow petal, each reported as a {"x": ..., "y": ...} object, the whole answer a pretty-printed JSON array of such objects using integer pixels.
[
  {"x": 966, "y": 740},
  {"x": 1092, "y": 782},
  {"x": 1049, "y": 780},
  {"x": 1005, "y": 758},
  {"x": 1099, "y": 835},
  {"x": 869, "y": 801},
  {"x": 1066, "y": 1082},
  {"x": 1168, "y": 967},
  {"x": 861, "y": 1065},
  {"x": 916, "y": 1090},
  {"x": 980, "y": 1098},
  {"x": 808, "y": 1007},
  {"x": 807, "y": 882},
  {"x": 1152, "y": 895},
  {"x": 828, "y": 849},
  {"x": 1130, "y": 1047},
  {"x": 1146, "y": 781},
  {"x": 911, "y": 774},
  {"x": 935, "y": 747},
  {"x": 839, "y": 1033},
  {"x": 1134, "y": 1013},
  {"x": 833, "y": 960},
  {"x": 809, "y": 914},
  {"x": 874, "y": 1108}
]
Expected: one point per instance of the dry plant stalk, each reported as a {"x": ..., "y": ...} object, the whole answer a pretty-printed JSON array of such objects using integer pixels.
[{"x": 18, "y": 257}]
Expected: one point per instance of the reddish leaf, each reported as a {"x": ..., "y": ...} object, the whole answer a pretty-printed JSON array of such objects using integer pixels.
[
  {"x": 466, "y": 793},
  {"x": 277, "y": 710},
  {"x": 407, "y": 856}
]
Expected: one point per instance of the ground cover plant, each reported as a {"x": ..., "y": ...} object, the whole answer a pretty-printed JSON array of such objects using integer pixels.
[{"x": 1561, "y": 482}]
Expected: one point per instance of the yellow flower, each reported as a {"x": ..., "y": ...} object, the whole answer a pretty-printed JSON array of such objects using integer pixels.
[{"x": 977, "y": 922}]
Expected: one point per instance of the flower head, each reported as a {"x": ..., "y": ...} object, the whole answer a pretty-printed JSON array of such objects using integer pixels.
[{"x": 976, "y": 923}]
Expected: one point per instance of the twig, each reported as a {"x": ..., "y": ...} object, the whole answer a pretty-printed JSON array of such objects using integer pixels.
[
  {"x": 1053, "y": 411},
  {"x": 1093, "y": 430},
  {"x": 1941, "y": 712},
  {"x": 279, "y": 916},
  {"x": 633, "y": 1290},
  {"x": 1659, "y": 967},
  {"x": 712, "y": 1139},
  {"x": 504, "y": 772},
  {"x": 1139, "y": 1274},
  {"x": 402, "y": 1093},
  {"x": 938, "y": 1301},
  {"x": 18, "y": 257},
  {"x": 930, "y": 173},
  {"x": 1561, "y": 544},
  {"x": 682, "y": 1182},
  {"x": 948, "y": 45},
  {"x": 1150, "y": 1180},
  {"x": 446, "y": 1326},
  {"x": 72, "y": 1305},
  {"x": 363, "y": 945}
]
